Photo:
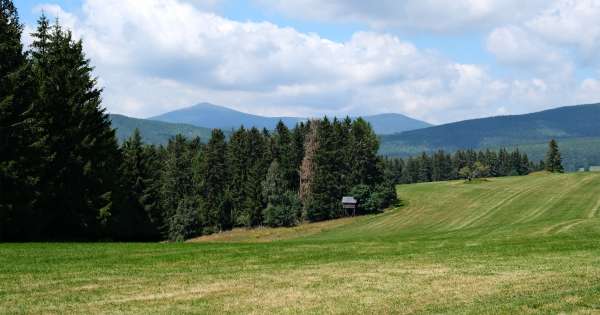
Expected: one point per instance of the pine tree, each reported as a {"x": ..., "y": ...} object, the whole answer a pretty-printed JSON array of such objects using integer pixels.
[
  {"x": 139, "y": 217},
  {"x": 553, "y": 161},
  {"x": 283, "y": 206},
  {"x": 425, "y": 168},
  {"x": 284, "y": 154},
  {"x": 298, "y": 136},
  {"x": 365, "y": 147},
  {"x": 326, "y": 187},
  {"x": 18, "y": 159},
  {"x": 258, "y": 163},
  {"x": 237, "y": 162},
  {"x": 178, "y": 183},
  {"x": 215, "y": 201},
  {"x": 79, "y": 145}
]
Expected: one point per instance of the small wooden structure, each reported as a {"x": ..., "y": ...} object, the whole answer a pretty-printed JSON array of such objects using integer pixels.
[{"x": 349, "y": 203}]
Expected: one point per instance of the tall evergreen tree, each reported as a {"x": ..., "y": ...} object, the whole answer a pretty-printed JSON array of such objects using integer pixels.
[
  {"x": 18, "y": 159},
  {"x": 285, "y": 155},
  {"x": 553, "y": 161},
  {"x": 178, "y": 184},
  {"x": 365, "y": 147},
  {"x": 215, "y": 202},
  {"x": 139, "y": 217},
  {"x": 80, "y": 147},
  {"x": 237, "y": 162},
  {"x": 258, "y": 163},
  {"x": 326, "y": 187},
  {"x": 283, "y": 206}
]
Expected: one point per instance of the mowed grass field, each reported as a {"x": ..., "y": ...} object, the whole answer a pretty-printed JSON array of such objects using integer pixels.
[{"x": 503, "y": 246}]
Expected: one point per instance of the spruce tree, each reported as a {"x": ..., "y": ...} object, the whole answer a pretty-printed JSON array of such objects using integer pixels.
[
  {"x": 178, "y": 184},
  {"x": 215, "y": 202},
  {"x": 283, "y": 206},
  {"x": 298, "y": 136},
  {"x": 237, "y": 162},
  {"x": 285, "y": 155},
  {"x": 258, "y": 163},
  {"x": 365, "y": 147},
  {"x": 326, "y": 186},
  {"x": 18, "y": 159},
  {"x": 139, "y": 217},
  {"x": 79, "y": 146},
  {"x": 553, "y": 161}
]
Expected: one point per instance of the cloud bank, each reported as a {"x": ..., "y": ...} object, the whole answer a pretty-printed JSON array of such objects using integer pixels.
[{"x": 157, "y": 55}]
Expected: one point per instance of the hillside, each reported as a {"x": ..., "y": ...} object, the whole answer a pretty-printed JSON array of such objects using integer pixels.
[
  {"x": 504, "y": 246},
  {"x": 213, "y": 116},
  {"x": 569, "y": 125},
  {"x": 505, "y": 208},
  {"x": 155, "y": 132}
]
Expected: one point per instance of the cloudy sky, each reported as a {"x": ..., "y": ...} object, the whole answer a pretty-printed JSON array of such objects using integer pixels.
[{"x": 435, "y": 60}]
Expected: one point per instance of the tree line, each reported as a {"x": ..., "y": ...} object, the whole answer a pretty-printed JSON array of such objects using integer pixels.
[
  {"x": 469, "y": 165},
  {"x": 64, "y": 176}
]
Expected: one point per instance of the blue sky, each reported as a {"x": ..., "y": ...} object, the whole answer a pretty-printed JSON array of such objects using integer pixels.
[{"x": 430, "y": 59}]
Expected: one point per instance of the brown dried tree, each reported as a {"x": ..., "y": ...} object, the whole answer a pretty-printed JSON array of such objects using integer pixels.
[{"x": 307, "y": 168}]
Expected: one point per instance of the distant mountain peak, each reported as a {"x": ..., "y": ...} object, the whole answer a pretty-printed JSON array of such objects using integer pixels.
[{"x": 215, "y": 116}]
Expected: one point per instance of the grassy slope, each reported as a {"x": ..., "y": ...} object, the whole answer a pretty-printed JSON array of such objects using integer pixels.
[{"x": 512, "y": 245}]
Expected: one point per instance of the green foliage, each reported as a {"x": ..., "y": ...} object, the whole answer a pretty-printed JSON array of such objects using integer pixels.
[
  {"x": 553, "y": 162},
  {"x": 177, "y": 178},
  {"x": 62, "y": 147},
  {"x": 213, "y": 177},
  {"x": 283, "y": 206},
  {"x": 184, "y": 223},
  {"x": 140, "y": 215},
  {"x": 462, "y": 164},
  {"x": 284, "y": 212},
  {"x": 19, "y": 160}
]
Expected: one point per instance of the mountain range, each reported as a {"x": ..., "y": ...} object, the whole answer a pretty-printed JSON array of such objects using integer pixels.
[
  {"x": 154, "y": 132},
  {"x": 214, "y": 116},
  {"x": 577, "y": 128}
]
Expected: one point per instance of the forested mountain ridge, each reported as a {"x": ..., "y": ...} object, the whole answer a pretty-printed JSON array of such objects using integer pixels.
[
  {"x": 213, "y": 116},
  {"x": 580, "y": 123},
  {"x": 155, "y": 132}
]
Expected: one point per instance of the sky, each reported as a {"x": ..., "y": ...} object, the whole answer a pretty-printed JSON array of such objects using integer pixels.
[{"x": 435, "y": 60}]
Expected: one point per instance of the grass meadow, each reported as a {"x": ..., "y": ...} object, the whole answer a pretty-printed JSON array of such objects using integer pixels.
[{"x": 526, "y": 245}]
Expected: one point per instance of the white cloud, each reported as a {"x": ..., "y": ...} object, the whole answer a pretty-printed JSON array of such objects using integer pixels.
[
  {"x": 157, "y": 55},
  {"x": 439, "y": 16},
  {"x": 571, "y": 23}
]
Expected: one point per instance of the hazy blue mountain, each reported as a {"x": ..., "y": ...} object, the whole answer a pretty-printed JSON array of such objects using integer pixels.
[
  {"x": 385, "y": 124},
  {"x": 213, "y": 116},
  {"x": 572, "y": 125},
  {"x": 155, "y": 132}
]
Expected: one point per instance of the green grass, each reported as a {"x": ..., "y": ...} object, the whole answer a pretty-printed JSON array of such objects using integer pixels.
[{"x": 504, "y": 246}]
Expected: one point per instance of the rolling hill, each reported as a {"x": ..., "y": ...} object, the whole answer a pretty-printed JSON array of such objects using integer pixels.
[
  {"x": 213, "y": 116},
  {"x": 514, "y": 245},
  {"x": 154, "y": 132},
  {"x": 577, "y": 128}
]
